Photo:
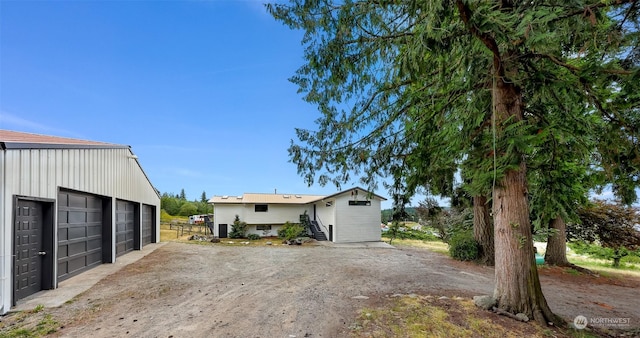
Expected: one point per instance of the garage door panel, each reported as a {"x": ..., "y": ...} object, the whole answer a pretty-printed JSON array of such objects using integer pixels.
[
  {"x": 125, "y": 226},
  {"x": 77, "y": 201},
  {"x": 148, "y": 224},
  {"x": 94, "y": 230},
  {"x": 94, "y": 216},
  {"x": 77, "y": 217},
  {"x": 76, "y": 232},
  {"x": 80, "y": 231},
  {"x": 63, "y": 216}
]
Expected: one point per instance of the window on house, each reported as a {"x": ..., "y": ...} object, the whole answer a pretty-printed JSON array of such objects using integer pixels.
[
  {"x": 262, "y": 208},
  {"x": 263, "y": 227}
]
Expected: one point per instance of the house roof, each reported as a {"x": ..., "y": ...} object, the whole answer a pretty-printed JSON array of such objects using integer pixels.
[
  {"x": 357, "y": 190},
  {"x": 19, "y": 140},
  {"x": 253, "y": 198}
]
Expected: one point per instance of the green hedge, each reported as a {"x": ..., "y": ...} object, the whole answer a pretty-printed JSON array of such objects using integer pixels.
[{"x": 463, "y": 247}]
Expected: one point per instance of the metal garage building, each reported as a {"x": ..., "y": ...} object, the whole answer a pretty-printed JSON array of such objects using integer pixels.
[{"x": 66, "y": 206}]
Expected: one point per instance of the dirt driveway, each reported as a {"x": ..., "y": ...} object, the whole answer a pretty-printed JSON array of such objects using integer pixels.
[{"x": 188, "y": 290}]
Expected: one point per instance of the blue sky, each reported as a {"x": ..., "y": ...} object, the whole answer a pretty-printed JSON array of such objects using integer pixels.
[{"x": 198, "y": 89}]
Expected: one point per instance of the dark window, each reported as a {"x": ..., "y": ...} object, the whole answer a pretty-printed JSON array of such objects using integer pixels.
[
  {"x": 359, "y": 202},
  {"x": 263, "y": 227},
  {"x": 262, "y": 207}
]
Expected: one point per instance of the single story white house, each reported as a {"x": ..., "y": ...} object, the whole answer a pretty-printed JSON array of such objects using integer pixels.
[{"x": 352, "y": 215}]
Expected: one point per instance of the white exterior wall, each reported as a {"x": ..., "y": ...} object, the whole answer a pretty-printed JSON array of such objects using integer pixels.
[
  {"x": 277, "y": 214},
  {"x": 42, "y": 172},
  {"x": 272, "y": 232},
  {"x": 325, "y": 215},
  {"x": 225, "y": 214},
  {"x": 356, "y": 223}
]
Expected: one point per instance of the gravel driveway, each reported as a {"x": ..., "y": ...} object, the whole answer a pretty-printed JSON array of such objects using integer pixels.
[{"x": 189, "y": 290}]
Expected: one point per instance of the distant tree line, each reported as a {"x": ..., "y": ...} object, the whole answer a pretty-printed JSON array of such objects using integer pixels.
[
  {"x": 409, "y": 216},
  {"x": 177, "y": 204}
]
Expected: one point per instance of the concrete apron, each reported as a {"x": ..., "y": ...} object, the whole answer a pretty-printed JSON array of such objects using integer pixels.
[
  {"x": 76, "y": 285},
  {"x": 356, "y": 245}
]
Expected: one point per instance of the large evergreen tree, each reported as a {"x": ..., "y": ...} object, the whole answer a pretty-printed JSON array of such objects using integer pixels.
[{"x": 413, "y": 90}]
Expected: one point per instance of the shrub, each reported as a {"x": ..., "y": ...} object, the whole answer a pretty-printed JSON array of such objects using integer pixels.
[
  {"x": 238, "y": 229},
  {"x": 290, "y": 231},
  {"x": 597, "y": 251},
  {"x": 463, "y": 247},
  {"x": 253, "y": 237},
  {"x": 410, "y": 234}
]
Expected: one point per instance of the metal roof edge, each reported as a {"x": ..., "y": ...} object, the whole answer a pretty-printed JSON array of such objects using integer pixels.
[
  {"x": 352, "y": 188},
  {"x": 29, "y": 145}
]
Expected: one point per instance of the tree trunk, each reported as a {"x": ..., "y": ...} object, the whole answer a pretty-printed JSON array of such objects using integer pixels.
[
  {"x": 483, "y": 230},
  {"x": 517, "y": 285},
  {"x": 556, "y": 253}
]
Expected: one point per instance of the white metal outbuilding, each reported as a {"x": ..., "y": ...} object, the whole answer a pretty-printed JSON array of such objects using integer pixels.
[{"x": 68, "y": 205}]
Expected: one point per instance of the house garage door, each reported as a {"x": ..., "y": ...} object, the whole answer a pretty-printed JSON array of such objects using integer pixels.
[
  {"x": 79, "y": 233},
  {"x": 148, "y": 228},
  {"x": 125, "y": 226}
]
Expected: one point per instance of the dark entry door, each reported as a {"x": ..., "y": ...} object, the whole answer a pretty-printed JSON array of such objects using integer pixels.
[
  {"x": 125, "y": 226},
  {"x": 222, "y": 230},
  {"x": 28, "y": 251},
  {"x": 331, "y": 232}
]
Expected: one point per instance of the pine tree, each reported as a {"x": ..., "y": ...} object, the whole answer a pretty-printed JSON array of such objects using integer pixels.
[
  {"x": 414, "y": 90},
  {"x": 183, "y": 196}
]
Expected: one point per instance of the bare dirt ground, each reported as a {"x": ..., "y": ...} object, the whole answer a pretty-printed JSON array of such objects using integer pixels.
[{"x": 189, "y": 290}]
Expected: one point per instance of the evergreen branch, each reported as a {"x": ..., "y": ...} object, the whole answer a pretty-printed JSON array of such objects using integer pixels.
[
  {"x": 591, "y": 8},
  {"x": 486, "y": 39},
  {"x": 575, "y": 69}
]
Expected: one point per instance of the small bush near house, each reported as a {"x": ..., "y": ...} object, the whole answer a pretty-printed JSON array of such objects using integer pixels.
[
  {"x": 253, "y": 237},
  {"x": 239, "y": 228},
  {"x": 291, "y": 231},
  {"x": 463, "y": 247}
]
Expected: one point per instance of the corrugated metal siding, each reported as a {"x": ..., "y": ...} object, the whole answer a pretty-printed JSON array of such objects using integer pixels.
[
  {"x": 41, "y": 172},
  {"x": 107, "y": 172},
  {"x": 5, "y": 245},
  {"x": 356, "y": 223}
]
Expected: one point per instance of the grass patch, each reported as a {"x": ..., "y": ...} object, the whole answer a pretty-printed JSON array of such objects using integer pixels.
[
  {"x": 435, "y": 246},
  {"x": 603, "y": 267},
  {"x": 32, "y": 323},
  {"x": 428, "y": 316},
  {"x": 606, "y": 269},
  {"x": 432, "y": 316},
  {"x": 573, "y": 272},
  {"x": 170, "y": 233}
]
